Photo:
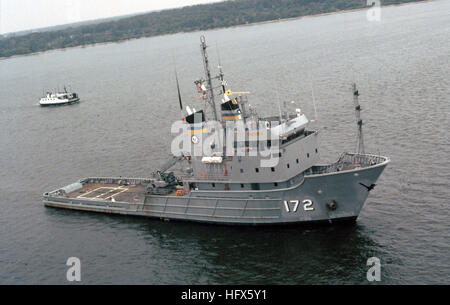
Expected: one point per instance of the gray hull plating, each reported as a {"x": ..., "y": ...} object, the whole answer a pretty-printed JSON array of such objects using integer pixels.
[
  {"x": 328, "y": 197},
  {"x": 234, "y": 183}
]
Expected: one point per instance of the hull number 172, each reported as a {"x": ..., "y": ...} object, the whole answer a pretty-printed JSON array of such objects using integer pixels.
[{"x": 292, "y": 206}]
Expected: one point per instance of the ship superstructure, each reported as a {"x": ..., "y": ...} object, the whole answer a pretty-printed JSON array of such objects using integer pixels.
[
  {"x": 232, "y": 166},
  {"x": 59, "y": 98}
]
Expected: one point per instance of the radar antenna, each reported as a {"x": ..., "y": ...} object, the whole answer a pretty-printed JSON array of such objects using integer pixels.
[{"x": 359, "y": 122}]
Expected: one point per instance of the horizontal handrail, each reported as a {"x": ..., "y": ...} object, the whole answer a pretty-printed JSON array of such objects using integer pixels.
[{"x": 348, "y": 161}]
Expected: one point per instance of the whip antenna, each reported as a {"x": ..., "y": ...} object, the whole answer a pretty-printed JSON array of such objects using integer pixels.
[
  {"x": 178, "y": 84},
  {"x": 178, "y": 89},
  {"x": 313, "y": 97}
]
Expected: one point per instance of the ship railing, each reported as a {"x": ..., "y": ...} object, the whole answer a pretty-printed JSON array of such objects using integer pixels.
[
  {"x": 361, "y": 160},
  {"x": 116, "y": 180},
  {"x": 212, "y": 176},
  {"x": 347, "y": 161}
]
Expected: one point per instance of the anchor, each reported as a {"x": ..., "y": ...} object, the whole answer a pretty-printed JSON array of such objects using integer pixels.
[{"x": 369, "y": 188}]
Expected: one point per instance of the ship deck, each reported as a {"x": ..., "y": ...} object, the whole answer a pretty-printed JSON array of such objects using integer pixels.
[
  {"x": 109, "y": 192},
  {"x": 348, "y": 162}
]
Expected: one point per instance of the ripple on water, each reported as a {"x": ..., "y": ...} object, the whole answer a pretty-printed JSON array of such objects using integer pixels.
[{"x": 121, "y": 126}]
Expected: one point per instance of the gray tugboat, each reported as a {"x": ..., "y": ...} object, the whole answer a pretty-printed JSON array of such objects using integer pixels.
[{"x": 237, "y": 168}]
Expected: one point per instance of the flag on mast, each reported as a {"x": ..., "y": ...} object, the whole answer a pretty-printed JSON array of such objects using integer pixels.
[{"x": 202, "y": 87}]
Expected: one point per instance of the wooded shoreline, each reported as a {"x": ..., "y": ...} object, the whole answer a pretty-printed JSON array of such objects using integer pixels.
[{"x": 88, "y": 44}]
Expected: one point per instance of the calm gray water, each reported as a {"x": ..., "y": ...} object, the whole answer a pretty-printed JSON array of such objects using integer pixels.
[{"x": 121, "y": 128}]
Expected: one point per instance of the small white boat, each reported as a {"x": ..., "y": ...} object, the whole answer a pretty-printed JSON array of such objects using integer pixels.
[{"x": 59, "y": 98}]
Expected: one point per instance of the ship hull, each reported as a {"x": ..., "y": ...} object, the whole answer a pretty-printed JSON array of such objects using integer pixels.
[
  {"x": 65, "y": 102},
  {"x": 330, "y": 198}
]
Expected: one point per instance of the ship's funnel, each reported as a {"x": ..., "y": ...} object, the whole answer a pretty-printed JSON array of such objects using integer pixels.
[
  {"x": 196, "y": 122},
  {"x": 231, "y": 110}
]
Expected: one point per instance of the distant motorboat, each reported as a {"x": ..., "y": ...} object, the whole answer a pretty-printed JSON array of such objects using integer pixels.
[{"x": 59, "y": 98}]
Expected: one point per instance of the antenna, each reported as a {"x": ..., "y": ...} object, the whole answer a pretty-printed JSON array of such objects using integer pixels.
[
  {"x": 178, "y": 89},
  {"x": 314, "y": 100},
  {"x": 359, "y": 122},
  {"x": 178, "y": 84},
  {"x": 279, "y": 109},
  {"x": 222, "y": 81},
  {"x": 208, "y": 76}
]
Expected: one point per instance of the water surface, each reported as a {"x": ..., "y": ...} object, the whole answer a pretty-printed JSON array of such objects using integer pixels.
[{"x": 121, "y": 128}]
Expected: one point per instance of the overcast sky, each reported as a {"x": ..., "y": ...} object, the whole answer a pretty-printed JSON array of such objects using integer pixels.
[{"x": 18, "y": 15}]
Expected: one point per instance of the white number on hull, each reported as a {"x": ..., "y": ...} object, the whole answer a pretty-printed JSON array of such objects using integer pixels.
[{"x": 307, "y": 205}]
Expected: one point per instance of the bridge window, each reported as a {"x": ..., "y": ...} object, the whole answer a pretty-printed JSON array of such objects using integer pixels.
[
  {"x": 273, "y": 169},
  {"x": 257, "y": 170},
  {"x": 255, "y": 186}
]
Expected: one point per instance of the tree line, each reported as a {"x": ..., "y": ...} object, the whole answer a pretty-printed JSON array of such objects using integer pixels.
[{"x": 186, "y": 19}]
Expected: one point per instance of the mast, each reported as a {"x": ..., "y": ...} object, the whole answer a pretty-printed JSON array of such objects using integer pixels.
[
  {"x": 359, "y": 122},
  {"x": 208, "y": 76},
  {"x": 221, "y": 75}
]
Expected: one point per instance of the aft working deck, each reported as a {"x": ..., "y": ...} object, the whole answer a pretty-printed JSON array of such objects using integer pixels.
[
  {"x": 109, "y": 191},
  {"x": 99, "y": 191}
]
